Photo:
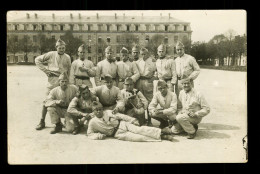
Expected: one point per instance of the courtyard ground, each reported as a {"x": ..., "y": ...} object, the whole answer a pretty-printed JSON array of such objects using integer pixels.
[{"x": 219, "y": 138}]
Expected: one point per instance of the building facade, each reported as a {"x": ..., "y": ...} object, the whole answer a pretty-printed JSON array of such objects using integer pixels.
[{"x": 99, "y": 31}]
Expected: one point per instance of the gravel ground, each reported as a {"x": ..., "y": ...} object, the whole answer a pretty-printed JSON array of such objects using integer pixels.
[{"x": 219, "y": 138}]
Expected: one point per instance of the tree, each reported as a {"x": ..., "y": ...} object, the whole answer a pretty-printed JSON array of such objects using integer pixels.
[
  {"x": 239, "y": 46},
  {"x": 45, "y": 44},
  {"x": 26, "y": 46},
  {"x": 187, "y": 44},
  {"x": 101, "y": 47},
  {"x": 154, "y": 42},
  {"x": 230, "y": 35},
  {"x": 129, "y": 40},
  {"x": 72, "y": 43},
  {"x": 13, "y": 44}
]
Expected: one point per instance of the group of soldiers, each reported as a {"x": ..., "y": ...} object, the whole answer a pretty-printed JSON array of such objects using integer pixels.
[{"x": 128, "y": 94}]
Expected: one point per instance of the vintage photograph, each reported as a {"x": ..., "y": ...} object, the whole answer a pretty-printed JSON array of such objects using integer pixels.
[{"x": 127, "y": 87}]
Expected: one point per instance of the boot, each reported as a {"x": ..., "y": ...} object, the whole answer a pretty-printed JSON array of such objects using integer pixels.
[
  {"x": 76, "y": 130},
  {"x": 41, "y": 125},
  {"x": 57, "y": 129},
  {"x": 163, "y": 124},
  {"x": 166, "y": 130},
  {"x": 167, "y": 137},
  {"x": 192, "y": 136}
]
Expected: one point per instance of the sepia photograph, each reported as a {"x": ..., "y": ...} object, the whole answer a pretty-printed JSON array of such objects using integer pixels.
[{"x": 127, "y": 87}]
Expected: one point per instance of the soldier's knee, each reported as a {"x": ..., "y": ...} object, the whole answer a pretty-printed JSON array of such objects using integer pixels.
[
  {"x": 51, "y": 109},
  {"x": 180, "y": 117}
]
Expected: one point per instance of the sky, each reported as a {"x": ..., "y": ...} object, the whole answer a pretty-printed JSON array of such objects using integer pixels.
[{"x": 205, "y": 24}]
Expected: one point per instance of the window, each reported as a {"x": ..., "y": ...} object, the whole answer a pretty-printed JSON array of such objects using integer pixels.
[
  {"x": 43, "y": 27},
  {"x": 99, "y": 50},
  {"x": 166, "y": 27},
  {"x": 61, "y": 27},
  {"x": 53, "y": 37},
  {"x": 108, "y": 39},
  {"x": 89, "y": 27},
  {"x": 117, "y": 27},
  {"x": 25, "y": 27},
  {"x": 34, "y": 27},
  {"x": 99, "y": 39},
  {"x": 166, "y": 40},
  {"x": 147, "y": 37},
  {"x": 99, "y": 27},
  {"x": 156, "y": 27},
  {"x": 118, "y": 49},
  {"x": 89, "y": 58},
  {"x": 89, "y": 37},
  {"x": 80, "y": 27},
  {"x": 89, "y": 49},
  {"x": 136, "y": 28},
  {"x": 117, "y": 39},
  {"x": 15, "y": 27},
  {"x": 108, "y": 27},
  {"x": 175, "y": 38},
  {"x": 34, "y": 39},
  {"x": 127, "y": 27},
  {"x": 147, "y": 27},
  {"x": 185, "y": 28},
  {"x": 71, "y": 27}
]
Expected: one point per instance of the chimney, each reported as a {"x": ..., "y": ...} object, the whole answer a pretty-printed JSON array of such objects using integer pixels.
[
  {"x": 115, "y": 15},
  {"x": 71, "y": 16},
  {"x": 27, "y": 15},
  {"x": 53, "y": 15},
  {"x": 169, "y": 15},
  {"x": 79, "y": 16},
  {"x": 97, "y": 15},
  {"x": 35, "y": 15}
]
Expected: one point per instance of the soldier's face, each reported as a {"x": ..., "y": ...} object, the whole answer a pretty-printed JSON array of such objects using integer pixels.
[
  {"x": 98, "y": 112},
  {"x": 163, "y": 90},
  {"x": 81, "y": 53},
  {"x": 186, "y": 86},
  {"x": 129, "y": 86},
  {"x": 85, "y": 94},
  {"x": 63, "y": 84},
  {"x": 124, "y": 56},
  {"x": 109, "y": 55},
  {"x": 61, "y": 49},
  {"x": 109, "y": 84},
  {"x": 143, "y": 54},
  {"x": 135, "y": 54},
  {"x": 161, "y": 53},
  {"x": 180, "y": 50}
]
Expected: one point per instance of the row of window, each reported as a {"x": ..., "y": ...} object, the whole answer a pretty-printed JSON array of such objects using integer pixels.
[{"x": 118, "y": 27}]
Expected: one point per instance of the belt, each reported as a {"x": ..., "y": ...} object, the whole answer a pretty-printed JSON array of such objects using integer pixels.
[
  {"x": 144, "y": 78},
  {"x": 82, "y": 77},
  {"x": 102, "y": 78},
  {"x": 116, "y": 128}
]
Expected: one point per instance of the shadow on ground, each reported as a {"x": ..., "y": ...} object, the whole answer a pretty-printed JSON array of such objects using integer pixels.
[{"x": 213, "y": 126}]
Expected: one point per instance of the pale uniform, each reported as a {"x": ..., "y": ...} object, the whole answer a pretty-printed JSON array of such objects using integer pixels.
[
  {"x": 109, "y": 98},
  {"x": 57, "y": 63},
  {"x": 186, "y": 67},
  {"x": 126, "y": 69},
  {"x": 56, "y": 112},
  {"x": 110, "y": 126},
  {"x": 104, "y": 67},
  {"x": 79, "y": 77},
  {"x": 76, "y": 109},
  {"x": 168, "y": 104},
  {"x": 147, "y": 70},
  {"x": 166, "y": 71},
  {"x": 194, "y": 101},
  {"x": 132, "y": 111}
]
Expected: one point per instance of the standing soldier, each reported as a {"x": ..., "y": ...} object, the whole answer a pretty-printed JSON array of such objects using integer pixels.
[
  {"x": 135, "y": 53},
  {"x": 82, "y": 69},
  {"x": 58, "y": 62},
  {"x": 106, "y": 66},
  {"x": 147, "y": 69},
  {"x": 125, "y": 69},
  {"x": 186, "y": 67},
  {"x": 166, "y": 68}
]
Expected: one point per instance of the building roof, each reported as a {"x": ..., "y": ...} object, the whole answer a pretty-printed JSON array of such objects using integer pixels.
[{"x": 100, "y": 19}]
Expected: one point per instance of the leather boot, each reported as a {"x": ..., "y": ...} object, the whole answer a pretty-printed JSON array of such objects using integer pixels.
[
  {"x": 76, "y": 130},
  {"x": 41, "y": 125},
  {"x": 58, "y": 128}
]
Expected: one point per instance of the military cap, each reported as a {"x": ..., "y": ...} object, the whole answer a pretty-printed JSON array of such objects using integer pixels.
[
  {"x": 124, "y": 50},
  {"x": 63, "y": 76},
  {"x": 179, "y": 44},
  {"x": 60, "y": 42},
  {"x": 161, "y": 83},
  {"x": 108, "y": 49},
  {"x": 128, "y": 80},
  {"x": 135, "y": 48},
  {"x": 185, "y": 80},
  {"x": 161, "y": 47},
  {"x": 108, "y": 77},
  {"x": 82, "y": 88},
  {"x": 143, "y": 50},
  {"x": 96, "y": 104},
  {"x": 81, "y": 47}
]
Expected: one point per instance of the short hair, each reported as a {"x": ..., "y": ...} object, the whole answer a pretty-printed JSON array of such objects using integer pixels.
[{"x": 96, "y": 104}]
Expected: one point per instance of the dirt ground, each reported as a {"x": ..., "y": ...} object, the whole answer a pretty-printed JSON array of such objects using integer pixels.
[{"x": 219, "y": 138}]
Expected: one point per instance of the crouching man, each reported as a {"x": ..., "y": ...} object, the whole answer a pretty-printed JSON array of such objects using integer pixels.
[
  {"x": 58, "y": 101},
  {"x": 135, "y": 102},
  {"x": 192, "y": 109},
  {"x": 122, "y": 127},
  {"x": 80, "y": 108},
  {"x": 163, "y": 106}
]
